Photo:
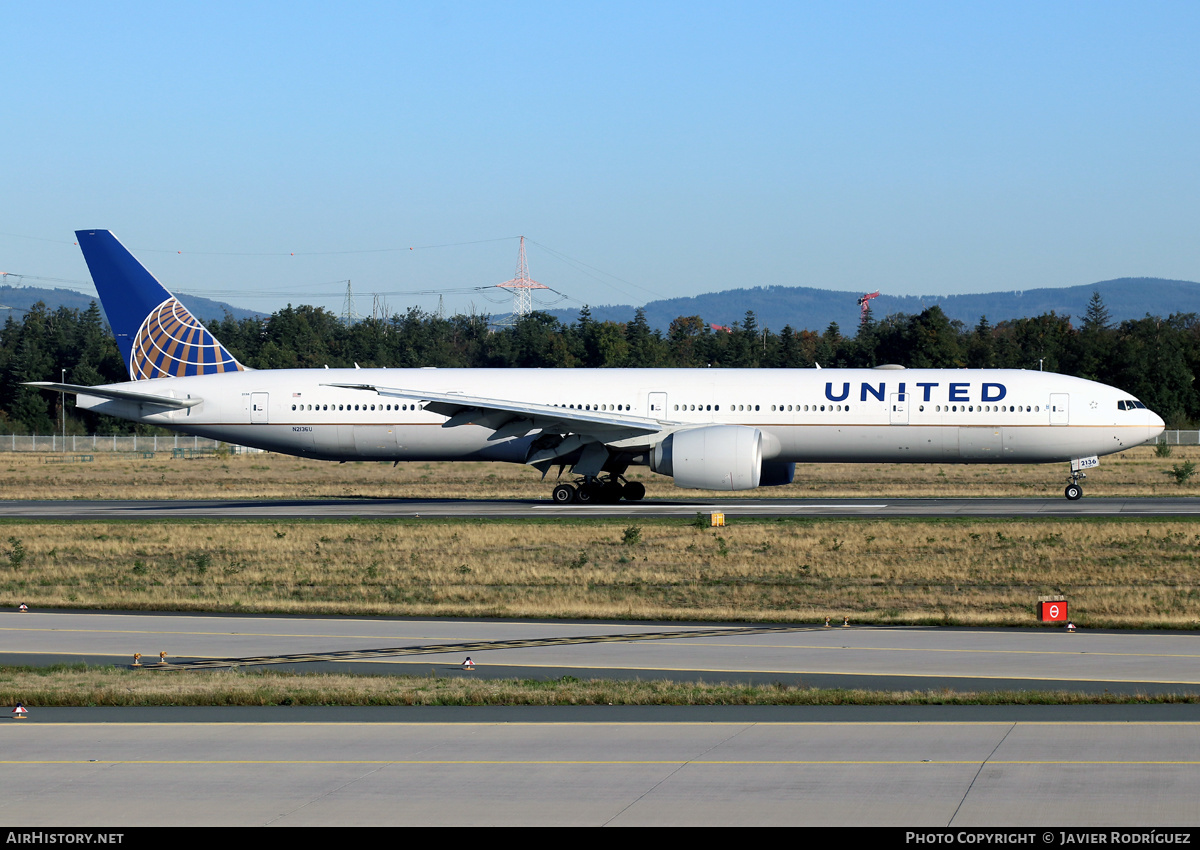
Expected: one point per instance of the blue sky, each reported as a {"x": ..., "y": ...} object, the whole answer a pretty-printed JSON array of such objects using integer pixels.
[{"x": 647, "y": 150}]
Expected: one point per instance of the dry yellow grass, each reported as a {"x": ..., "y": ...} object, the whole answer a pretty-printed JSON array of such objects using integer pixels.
[
  {"x": 110, "y": 686},
  {"x": 1113, "y": 572},
  {"x": 30, "y": 476},
  {"x": 974, "y": 572}
]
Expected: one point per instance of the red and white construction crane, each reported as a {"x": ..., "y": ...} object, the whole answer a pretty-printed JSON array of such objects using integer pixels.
[{"x": 865, "y": 304}]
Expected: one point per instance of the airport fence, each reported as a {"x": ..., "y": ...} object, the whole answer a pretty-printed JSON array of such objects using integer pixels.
[
  {"x": 96, "y": 443},
  {"x": 1180, "y": 438}
]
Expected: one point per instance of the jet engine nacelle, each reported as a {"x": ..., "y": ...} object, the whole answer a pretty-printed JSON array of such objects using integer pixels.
[{"x": 715, "y": 457}]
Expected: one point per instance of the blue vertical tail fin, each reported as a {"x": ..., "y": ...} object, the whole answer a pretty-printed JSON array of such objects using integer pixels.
[{"x": 157, "y": 336}]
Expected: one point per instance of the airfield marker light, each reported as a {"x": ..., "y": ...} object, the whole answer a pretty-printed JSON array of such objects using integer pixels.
[
  {"x": 137, "y": 659},
  {"x": 162, "y": 658},
  {"x": 23, "y": 608},
  {"x": 468, "y": 664},
  {"x": 20, "y": 712},
  {"x": 845, "y": 622},
  {"x": 827, "y": 622}
]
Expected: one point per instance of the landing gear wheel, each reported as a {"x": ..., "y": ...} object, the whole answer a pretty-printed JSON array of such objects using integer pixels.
[
  {"x": 606, "y": 490},
  {"x": 1074, "y": 492},
  {"x": 610, "y": 492}
]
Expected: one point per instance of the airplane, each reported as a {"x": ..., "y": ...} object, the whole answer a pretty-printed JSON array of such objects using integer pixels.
[{"x": 708, "y": 429}]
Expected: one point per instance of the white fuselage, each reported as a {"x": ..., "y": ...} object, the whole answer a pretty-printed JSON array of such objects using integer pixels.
[{"x": 805, "y": 415}]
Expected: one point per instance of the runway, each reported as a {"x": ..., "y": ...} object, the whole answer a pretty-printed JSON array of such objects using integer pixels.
[
  {"x": 285, "y": 771},
  {"x": 732, "y": 507},
  {"x": 929, "y": 766},
  {"x": 879, "y": 658}
]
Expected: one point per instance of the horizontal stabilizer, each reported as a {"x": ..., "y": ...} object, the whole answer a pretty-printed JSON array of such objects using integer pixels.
[{"x": 116, "y": 395}]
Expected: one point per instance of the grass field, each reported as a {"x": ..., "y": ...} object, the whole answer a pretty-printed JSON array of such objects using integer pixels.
[
  {"x": 28, "y": 475},
  {"x": 1132, "y": 573},
  {"x": 79, "y": 686},
  {"x": 1114, "y": 572}
]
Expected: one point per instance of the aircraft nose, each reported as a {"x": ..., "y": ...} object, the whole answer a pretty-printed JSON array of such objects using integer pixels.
[{"x": 1154, "y": 424}]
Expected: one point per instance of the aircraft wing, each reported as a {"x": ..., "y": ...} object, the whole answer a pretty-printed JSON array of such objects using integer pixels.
[
  {"x": 116, "y": 395},
  {"x": 516, "y": 419}
]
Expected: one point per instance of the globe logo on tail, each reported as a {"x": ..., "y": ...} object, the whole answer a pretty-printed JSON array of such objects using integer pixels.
[{"x": 172, "y": 343}]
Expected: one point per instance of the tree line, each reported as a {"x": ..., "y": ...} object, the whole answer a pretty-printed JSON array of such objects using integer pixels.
[{"x": 1154, "y": 359}]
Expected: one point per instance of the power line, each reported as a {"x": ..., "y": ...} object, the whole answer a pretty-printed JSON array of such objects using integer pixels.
[
  {"x": 576, "y": 264},
  {"x": 322, "y": 253}
]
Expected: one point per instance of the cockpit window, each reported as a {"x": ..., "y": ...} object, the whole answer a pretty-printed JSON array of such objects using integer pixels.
[{"x": 1130, "y": 404}]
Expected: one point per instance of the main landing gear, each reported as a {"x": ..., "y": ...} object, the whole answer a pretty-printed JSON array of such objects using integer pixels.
[
  {"x": 1074, "y": 490},
  {"x": 597, "y": 490}
]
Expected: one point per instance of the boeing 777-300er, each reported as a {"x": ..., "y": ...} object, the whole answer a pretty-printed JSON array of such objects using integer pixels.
[{"x": 709, "y": 429}]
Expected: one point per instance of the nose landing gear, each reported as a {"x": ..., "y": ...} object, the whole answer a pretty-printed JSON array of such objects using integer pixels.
[{"x": 1074, "y": 490}]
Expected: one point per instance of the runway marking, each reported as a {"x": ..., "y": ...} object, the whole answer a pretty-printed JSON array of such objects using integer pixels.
[
  {"x": 474, "y": 646},
  {"x": 222, "y": 663},
  {"x": 424, "y": 726},
  {"x": 200, "y": 634},
  {"x": 224, "y": 634},
  {"x": 812, "y": 627},
  {"x": 686, "y": 635},
  {"x": 795, "y": 646},
  {"x": 733, "y": 507},
  {"x": 862, "y": 674},
  {"x": 322, "y": 635},
  {"x": 606, "y": 762}
]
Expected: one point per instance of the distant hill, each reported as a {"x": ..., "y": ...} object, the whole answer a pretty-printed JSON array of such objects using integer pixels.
[
  {"x": 775, "y": 307},
  {"x": 21, "y": 298},
  {"x": 813, "y": 309}
]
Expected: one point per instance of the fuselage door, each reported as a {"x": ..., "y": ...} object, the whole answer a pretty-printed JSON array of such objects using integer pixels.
[
  {"x": 258, "y": 407},
  {"x": 1058, "y": 408},
  {"x": 898, "y": 408},
  {"x": 657, "y": 406}
]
